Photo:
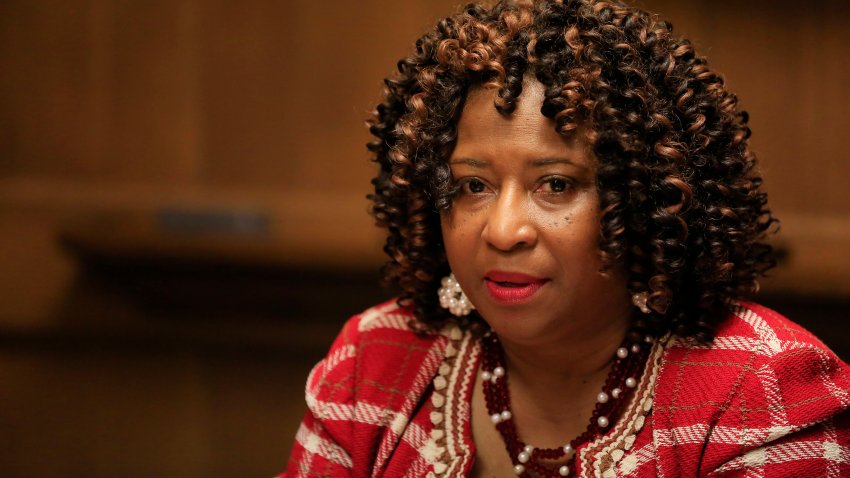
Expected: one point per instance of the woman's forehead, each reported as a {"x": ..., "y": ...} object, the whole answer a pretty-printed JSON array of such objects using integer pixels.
[
  {"x": 480, "y": 110},
  {"x": 481, "y": 121}
]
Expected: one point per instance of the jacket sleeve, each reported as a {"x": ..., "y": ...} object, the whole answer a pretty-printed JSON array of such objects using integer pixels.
[
  {"x": 788, "y": 419},
  {"x": 316, "y": 453},
  {"x": 820, "y": 450},
  {"x": 324, "y": 440},
  {"x": 362, "y": 396}
]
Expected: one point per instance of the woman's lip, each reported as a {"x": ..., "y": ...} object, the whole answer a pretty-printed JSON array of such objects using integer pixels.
[
  {"x": 515, "y": 277},
  {"x": 512, "y": 287}
]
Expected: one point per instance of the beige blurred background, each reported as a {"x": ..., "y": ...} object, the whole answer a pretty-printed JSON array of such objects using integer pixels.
[{"x": 183, "y": 225}]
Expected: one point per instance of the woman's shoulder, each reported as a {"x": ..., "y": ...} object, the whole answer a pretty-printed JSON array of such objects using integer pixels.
[
  {"x": 754, "y": 334},
  {"x": 764, "y": 331},
  {"x": 362, "y": 395},
  {"x": 376, "y": 352},
  {"x": 763, "y": 379},
  {"x": 384, "y": 329},
  {"x": 756, "y": 344}
]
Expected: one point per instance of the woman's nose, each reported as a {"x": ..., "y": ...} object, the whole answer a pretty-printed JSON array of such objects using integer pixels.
[{"x": 509, "y": 222}]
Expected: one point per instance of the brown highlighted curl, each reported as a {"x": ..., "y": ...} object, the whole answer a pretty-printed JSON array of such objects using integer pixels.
[{"x": 680, "y": 195}]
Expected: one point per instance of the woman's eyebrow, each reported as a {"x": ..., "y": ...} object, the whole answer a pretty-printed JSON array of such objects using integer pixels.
[
  {"x": 475, "y": 163},
  {"x": 556, "y": 160},
  {"x": 535, "y": 163}
]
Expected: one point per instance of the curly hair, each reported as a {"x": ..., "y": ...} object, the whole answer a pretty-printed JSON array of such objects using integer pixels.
[{"x": 682, "y": 208}]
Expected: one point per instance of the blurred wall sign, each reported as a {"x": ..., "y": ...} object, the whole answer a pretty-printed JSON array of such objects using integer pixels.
[{"x": 212, "y": 222}]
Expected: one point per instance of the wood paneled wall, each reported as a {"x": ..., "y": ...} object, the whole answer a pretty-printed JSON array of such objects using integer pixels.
[
  {"x": 785, "y": 62},
  {"x": 124, "y": 107},
  {"x": 261, "y": 94},
  {"x": 112, "y": 105},
  {"x": 119, "y": 108}
]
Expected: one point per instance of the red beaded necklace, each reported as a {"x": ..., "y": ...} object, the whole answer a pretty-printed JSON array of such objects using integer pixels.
[{"x": 528, "y": 461}]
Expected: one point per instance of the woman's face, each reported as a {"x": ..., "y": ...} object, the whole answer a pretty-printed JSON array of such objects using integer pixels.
[{"x": 522, "y": 234}]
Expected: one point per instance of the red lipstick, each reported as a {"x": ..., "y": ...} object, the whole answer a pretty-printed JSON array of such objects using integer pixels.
[{"x": 512, "y": 287}]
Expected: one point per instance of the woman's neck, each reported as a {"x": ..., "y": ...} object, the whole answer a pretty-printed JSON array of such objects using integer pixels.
[
  {"x": 554, "y": 371},
  {"x": 577, "y": 352}
]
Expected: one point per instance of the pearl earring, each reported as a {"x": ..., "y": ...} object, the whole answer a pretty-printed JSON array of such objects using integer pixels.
[
  {"x": 453, "y": 298},
  {"x": 639, "y": 300}
]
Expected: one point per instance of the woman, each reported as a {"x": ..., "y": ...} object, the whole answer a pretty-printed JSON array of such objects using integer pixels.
[{"x": 573, "y": 215}]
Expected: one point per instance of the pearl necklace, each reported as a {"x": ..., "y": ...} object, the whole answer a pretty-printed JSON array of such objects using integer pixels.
[{"x": 629, "y": 361}]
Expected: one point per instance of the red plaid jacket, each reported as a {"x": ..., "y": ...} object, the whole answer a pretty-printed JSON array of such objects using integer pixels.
[{"x": 765, "y": 399}]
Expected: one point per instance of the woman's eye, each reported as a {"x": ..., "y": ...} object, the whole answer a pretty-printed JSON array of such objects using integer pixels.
[
  {"x": 555, "y": 185},
  {"x": 474, "y": 186}
]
